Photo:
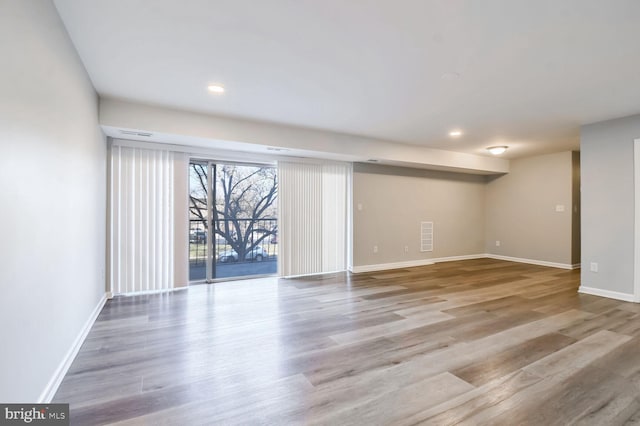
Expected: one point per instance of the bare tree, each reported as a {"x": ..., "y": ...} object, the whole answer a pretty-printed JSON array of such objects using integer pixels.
[
  {"x": 198, "y": 193},
  {"x": 244, "y": 201}
]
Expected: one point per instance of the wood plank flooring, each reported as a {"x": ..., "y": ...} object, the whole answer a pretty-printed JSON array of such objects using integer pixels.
[{"x": 473, "y": 342}]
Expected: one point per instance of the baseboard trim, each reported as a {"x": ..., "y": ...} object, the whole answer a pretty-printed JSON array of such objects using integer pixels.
[
  {"x": 606, "y": 293},
  {"x": 425, "y": 262},
  {"x": 388, "y": 266},
  {"x": 52, "y": 387},
  {"x": 533, "y": 261},
  {"x": 457, "y": 258},
  {"x": 412, "y": 263}
]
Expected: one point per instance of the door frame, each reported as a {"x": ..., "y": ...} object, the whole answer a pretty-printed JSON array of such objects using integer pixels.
[
  {"x": 636, "y": 231},
  {"x": 211, "y": 166}
]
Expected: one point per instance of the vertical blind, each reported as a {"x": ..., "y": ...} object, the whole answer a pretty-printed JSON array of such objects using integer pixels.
[
  {"x": 141, "y": 248},
  {"x": 313, "y": 220}
]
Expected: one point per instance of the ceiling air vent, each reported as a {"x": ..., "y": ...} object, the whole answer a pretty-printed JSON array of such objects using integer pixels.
[
  {"x": 426, "y": 236},
  {"x": 134, "y": 133}
]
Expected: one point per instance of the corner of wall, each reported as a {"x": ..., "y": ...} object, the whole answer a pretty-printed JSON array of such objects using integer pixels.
[{"x": 530, "y": 210}]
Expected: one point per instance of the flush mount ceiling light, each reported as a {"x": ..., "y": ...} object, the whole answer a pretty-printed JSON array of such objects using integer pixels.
[
  {"x": 215, "y": 88},
  {"x": 497, "y": 150},
  {"x": 455, "y": 133}
]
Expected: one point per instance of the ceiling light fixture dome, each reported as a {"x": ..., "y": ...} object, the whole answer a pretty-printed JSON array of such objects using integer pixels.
[
  {"x": 455, "y": 133},
  {"x": 216, "y": 88},
  {"x": 497, "y": 150}
]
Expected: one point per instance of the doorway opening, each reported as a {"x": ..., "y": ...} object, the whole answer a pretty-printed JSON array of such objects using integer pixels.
[{"x": 233, "y": 226}]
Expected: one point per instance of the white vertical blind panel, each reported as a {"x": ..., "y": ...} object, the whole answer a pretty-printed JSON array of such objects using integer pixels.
[
  {"x": 299, "y": 216},
  {"x": 334, "y": 217},
  {"x": 312, "y": 217},
  {"x": 141, "y": 220}
]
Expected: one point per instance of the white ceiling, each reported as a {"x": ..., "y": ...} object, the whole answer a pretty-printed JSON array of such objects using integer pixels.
[{"x": 530, "y": 71}]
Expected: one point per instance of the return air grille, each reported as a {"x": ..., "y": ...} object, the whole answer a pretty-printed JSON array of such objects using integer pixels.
[{"x": 426, "y": 236}]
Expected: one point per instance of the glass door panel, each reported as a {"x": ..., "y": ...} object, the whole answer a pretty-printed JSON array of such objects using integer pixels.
[{"x": 238, "y": 202}]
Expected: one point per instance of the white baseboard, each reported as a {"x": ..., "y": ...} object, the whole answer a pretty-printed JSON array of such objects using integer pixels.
[
  {"x": 412, "y": 263},
  {"x": 394, "y": 265},
  {"x": 424, "y": 262},
  {"x": 52, "y": 387},
  {"x": 533, "y": 261},
  {"x": 456, "y": 258},
  {"x": 607, "y": 293}
]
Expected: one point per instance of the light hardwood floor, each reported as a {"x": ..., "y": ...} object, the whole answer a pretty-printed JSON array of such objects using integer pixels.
[{"x": 471, "y": 342}]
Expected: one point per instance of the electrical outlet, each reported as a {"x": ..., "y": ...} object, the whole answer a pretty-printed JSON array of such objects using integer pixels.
[
  {"x": 594, "y": 267},
  {"x": 406, "y": 249},
  {"x": 497, "y": 243},
  {"x": 375, "y": 249}
]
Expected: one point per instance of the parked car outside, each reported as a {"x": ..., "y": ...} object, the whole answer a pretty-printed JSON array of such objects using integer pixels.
[
  {"x": 197, "y": 236},
  {"x": 257, "y": 253}
]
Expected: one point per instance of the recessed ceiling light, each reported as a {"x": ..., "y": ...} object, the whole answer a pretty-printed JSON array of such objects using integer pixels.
[
  {"x": 215, "y": 88},
  {"x": 455, "y": 133},
  {"x": 497, "y": 150}
]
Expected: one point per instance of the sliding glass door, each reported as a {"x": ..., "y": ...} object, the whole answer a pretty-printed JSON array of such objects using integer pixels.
[{"x": 233, "y": 220}]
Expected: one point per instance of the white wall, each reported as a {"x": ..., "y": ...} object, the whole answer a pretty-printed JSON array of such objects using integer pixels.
[
  {"x": 607, "y": 170},
  {"x": 395, "y": 200},
  {"x": 52, "y": 191}
]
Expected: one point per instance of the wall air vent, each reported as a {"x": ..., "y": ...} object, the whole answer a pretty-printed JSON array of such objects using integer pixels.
[
  {"x": 134, "y": 133},
  {"x": 426, "y": 236}
]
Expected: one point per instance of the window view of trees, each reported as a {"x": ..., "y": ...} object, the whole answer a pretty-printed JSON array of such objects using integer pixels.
[{"x": 244, "y": 210}]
